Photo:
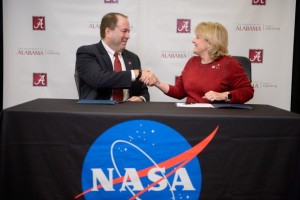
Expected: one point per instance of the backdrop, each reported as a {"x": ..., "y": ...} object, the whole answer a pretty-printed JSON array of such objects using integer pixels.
[{"x": 41, "y": 38}]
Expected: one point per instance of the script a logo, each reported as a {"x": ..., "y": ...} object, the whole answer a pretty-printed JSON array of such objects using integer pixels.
[
  {"x": 142, "y": 159},
  {"x": 256, "y": 55},
  {"x": 259, "y": 2},
  {"x": 39, "y": 79},
  {"x": 38, "y": 23},
  {"x": 183, "y": 25},
  {"x": 111, "y": 1}
]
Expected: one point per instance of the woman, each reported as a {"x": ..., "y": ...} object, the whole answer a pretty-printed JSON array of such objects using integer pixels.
[{"x": 212, "y": 76}]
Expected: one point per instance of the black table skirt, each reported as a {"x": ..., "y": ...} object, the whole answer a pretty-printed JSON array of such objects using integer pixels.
[{"x": 254, "y": 154}]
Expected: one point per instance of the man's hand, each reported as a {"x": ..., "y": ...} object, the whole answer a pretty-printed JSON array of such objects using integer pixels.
[
  {"x": 148, "y": 78},
  {"x": 135, "y": 98}
]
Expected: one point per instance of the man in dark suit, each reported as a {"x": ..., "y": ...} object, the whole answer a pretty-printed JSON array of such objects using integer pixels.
[{"x": 94, "y": 64}]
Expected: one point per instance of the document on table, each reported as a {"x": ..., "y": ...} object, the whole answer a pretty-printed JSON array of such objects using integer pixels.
[
  {"x": 217, "y": 105},
  {"x": 194, "y": 105}
]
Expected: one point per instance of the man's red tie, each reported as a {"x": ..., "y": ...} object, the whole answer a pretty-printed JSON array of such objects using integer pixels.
[{"x": 117, "y": 94}]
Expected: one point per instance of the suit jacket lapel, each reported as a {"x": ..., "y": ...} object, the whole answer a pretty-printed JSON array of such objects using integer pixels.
[
  {"x": 127, "y": 61},
  {"x": 105, "y": 56}
]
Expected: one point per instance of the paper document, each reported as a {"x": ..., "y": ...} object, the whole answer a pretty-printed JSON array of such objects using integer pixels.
[
  {"x": 217, "y": 105},
  {"x": 194, "y": 105}
]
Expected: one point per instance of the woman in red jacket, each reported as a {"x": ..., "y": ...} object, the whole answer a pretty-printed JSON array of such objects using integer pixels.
[{"x": 212, "y": 76}]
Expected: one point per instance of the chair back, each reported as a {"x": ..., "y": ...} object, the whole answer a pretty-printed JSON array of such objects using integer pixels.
[
  {"x": 77, "y": 82},
  {"x": 246, "y": 64}
]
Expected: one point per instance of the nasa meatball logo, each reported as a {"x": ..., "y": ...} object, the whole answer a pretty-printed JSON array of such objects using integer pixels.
[{"x": 142, "y": 159}]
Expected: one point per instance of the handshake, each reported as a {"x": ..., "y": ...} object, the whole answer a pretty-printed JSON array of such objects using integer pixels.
[{"x": 148, "y": 78}]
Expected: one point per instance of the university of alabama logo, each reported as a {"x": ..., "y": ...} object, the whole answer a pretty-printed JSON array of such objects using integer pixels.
[
  {"x": 183, "y": 26},
  {"x": 256, "y": 55},
  {"x": 142, "y": 159},
  {"x": 111, "y": 1},
  {"x": 249, "y": 27},
  {"x": 38, "y": 23},
  {"x": 259, "y": 2},
  {"x": 40, "y": 79}
]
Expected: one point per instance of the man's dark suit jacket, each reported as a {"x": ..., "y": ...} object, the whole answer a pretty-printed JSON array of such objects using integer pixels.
[{"x": 96, "y": 78}]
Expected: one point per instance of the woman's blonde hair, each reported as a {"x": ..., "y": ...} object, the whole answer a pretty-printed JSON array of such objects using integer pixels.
[{"x": 216, "y": 34}]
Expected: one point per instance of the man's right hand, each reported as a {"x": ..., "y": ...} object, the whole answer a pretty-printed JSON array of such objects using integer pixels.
[{"x": 148, "y": 78}]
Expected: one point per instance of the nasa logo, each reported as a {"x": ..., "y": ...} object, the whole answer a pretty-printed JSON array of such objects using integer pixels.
[{"x": 142, "y": 159}]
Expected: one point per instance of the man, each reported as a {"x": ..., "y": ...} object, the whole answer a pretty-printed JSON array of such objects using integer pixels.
[{"x": 95, "y": 64}]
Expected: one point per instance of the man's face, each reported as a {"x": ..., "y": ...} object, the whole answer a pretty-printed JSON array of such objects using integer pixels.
[{"x": 117, "y": 38}]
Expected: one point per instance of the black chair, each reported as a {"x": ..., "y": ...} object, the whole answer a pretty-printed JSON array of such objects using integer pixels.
[
  {"x": 246, "y": 64},
  {"x": 77, "y": 81}
]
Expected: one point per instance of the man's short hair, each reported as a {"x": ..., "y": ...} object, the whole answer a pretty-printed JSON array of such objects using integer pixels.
[{"x": 110, "y": 21}]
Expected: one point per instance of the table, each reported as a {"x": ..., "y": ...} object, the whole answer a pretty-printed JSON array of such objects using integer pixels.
[{"x": 59, "y": 149}]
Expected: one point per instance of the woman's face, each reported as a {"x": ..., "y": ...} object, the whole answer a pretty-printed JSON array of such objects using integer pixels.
[{"x": 201, "y": 45}]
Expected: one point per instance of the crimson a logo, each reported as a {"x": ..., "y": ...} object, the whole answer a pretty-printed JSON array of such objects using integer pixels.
[
  {"x": 256, "y": 55},
  {"x": 40, "y": 79},
  {"x": 259, "y": 2},
  {"x": 183, "y": 26},
  {"x": 111, "y": 1},
  {"x": 38, "y": 23}
]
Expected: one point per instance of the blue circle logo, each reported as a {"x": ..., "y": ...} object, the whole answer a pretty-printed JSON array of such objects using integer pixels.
[{"x": 141, "y": 159}]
